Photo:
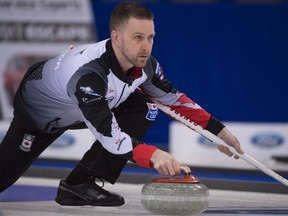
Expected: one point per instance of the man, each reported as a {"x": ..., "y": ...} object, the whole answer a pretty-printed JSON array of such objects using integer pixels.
[{"x": 107, "y": 87}]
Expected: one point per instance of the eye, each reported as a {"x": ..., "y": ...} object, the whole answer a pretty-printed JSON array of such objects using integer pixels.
[{"x": 139, "y": 37}]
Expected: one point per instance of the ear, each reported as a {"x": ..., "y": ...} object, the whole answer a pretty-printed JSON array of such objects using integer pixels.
[{"x": 115, "y": 36}]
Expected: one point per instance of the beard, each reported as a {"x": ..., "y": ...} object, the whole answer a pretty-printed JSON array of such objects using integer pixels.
[{"x": 139, "y": 60}]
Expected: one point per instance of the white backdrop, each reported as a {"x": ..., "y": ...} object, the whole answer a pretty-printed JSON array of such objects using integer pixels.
[{"x": 261, "y": 141}]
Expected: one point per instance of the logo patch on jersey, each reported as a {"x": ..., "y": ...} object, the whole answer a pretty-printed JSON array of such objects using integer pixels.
[
  {"x": 159, "y": 72},
  {"x": 88, "y": 90},
  {"x": 119, "y": 143},
  {"x": 27, "y": 142},
  {"x": 152, "y": 111}
]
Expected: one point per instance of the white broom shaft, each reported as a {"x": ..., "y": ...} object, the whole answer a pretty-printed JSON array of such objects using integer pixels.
[
  {"x": 215, "y": 139},
  {"x": 245, "y": 157}
]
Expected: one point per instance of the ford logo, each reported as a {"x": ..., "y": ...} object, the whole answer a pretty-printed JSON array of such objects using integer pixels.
[
  {"x": 205, "y": 142},
  {"x": 267, "y": 140},
  {"x": 64, "y": 141}
]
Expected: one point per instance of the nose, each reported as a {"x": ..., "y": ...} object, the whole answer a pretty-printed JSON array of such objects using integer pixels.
[{"x": 147, "y": 45}]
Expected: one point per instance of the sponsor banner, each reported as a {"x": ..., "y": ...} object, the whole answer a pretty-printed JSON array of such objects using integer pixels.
[
  {"x": 266, "y": 142},
  {"x": 74, "y": 11},
  {"x": 36, "y": 30},
  {"x": 45, "y": 32}
]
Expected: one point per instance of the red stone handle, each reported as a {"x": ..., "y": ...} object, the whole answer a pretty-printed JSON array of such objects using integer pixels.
[{"x": 188, "y": 178}]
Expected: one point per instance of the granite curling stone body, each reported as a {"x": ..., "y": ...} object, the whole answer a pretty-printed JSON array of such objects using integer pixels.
[{"x": 178, "y": 196}]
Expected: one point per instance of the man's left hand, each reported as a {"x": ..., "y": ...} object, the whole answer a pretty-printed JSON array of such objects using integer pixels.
[{"x": 231, "y": 140}]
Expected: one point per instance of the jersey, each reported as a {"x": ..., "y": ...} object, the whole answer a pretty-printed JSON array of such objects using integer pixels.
[{"x": 85, "y": 83}]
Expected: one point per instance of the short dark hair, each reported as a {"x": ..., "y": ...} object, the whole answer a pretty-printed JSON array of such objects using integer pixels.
[{"x": 124, "y": 11}]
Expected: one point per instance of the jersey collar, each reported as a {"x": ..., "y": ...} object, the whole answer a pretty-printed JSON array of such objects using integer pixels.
[{"x": 115, "y": 67}]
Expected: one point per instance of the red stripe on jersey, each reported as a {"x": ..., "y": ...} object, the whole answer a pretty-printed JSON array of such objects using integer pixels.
[
  {"x": 142, "y": 154},
  {"x": 188, "y": 108}
]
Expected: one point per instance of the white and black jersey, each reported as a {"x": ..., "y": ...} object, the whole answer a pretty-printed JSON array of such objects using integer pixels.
[{"x": 84, "y": 83}]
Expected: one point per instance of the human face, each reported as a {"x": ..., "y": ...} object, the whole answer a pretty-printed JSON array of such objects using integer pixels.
[{"x": 134, "y": 43}]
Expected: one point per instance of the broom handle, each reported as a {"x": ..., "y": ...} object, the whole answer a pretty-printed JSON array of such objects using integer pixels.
[{"x": 215, "y": 139}]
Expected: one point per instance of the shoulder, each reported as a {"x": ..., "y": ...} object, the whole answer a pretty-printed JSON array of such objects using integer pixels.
[
  {"x": 86, "y": 82},
  {"x": 153, "y": 68},
  {"x": 151, "y": 65},
  {"x": 153, "y": 62},
  {"x": 92, "y": 70},
  {"x": 90, "y": 74}
]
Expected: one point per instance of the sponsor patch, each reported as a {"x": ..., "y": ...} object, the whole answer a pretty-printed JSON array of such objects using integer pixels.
[
  {"x": 88, "y": 90},
  {"x": 119, "y": 143},
  {"x": 152, "y": 111},
  {"x": 27, "y": 143},
  {"x": 159, "y": 72}
]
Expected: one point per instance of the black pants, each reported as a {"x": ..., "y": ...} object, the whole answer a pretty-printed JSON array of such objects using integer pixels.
[{"x": 130, "y": 115}]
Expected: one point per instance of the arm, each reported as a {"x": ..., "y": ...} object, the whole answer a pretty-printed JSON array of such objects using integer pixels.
[
  {"x": 198, "y": 117},
  {"x": 177, "y": 104},
  {"x": 88, "y": 91}
]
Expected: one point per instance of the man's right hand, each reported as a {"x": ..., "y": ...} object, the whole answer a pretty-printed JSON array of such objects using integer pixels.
[{"x": 165, "y": 163}]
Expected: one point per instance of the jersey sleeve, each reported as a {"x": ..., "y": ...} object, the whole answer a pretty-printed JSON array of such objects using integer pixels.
[
  {"x": 162, "y": 91},
  {"x": 89, "y": 94}
]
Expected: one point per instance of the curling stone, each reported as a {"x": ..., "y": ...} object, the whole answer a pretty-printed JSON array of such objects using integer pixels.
[{"x": 175, "y": 196}]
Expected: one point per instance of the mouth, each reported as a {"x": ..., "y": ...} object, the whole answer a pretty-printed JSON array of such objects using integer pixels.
[{"x": 144, "y": 57}]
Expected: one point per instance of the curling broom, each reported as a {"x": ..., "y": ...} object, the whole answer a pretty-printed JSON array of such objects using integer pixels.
[{"x": 215, "y": 139}]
